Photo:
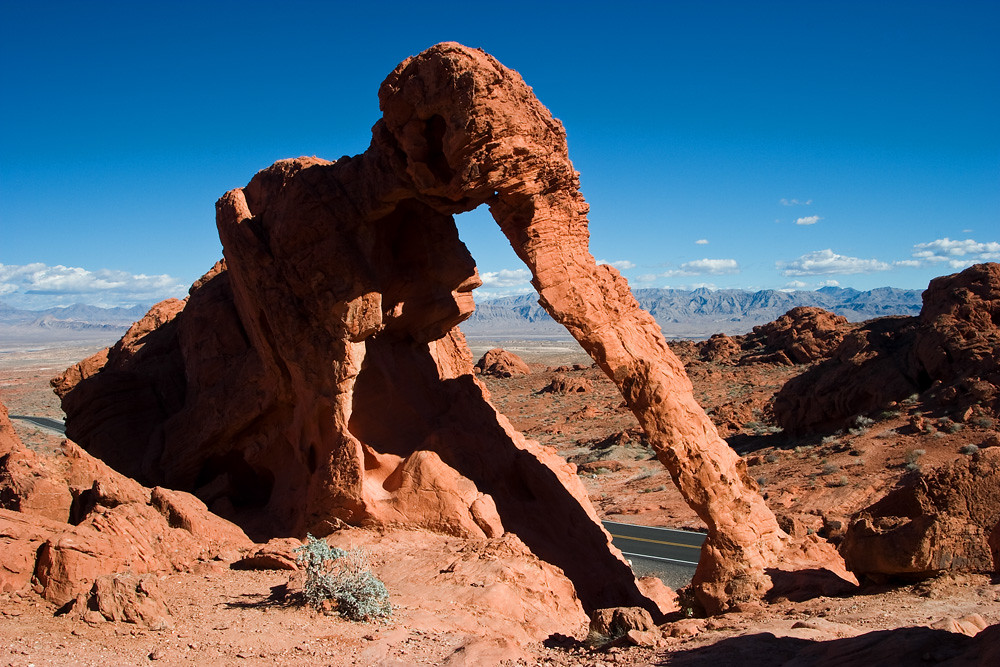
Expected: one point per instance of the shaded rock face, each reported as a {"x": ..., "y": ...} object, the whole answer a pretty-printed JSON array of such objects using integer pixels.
[
  {"x": 317, "y": 376},
  {"x": 932, "y": 523},
  {"x": 951, "y": 349},
  {"x": 100, "y": 524},
  {"x": 502, "y": 364}
]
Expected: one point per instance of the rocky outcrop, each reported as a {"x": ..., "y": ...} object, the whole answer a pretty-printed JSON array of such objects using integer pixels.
[
  {"x": 800, "y": 336},
  {"x": 564, "y": 384},
  {"x": 803, "y": 335},
  {"x": 502, "y": 364},
  {"x": 950, "y": 354},
  {"x": 70, "y": 520},
  {"x": 318, "y": 375},
  {"x": 720, "y": 348},
  {"x": 934, "y": 522}
]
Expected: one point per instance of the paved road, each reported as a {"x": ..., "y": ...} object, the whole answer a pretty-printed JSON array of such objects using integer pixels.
[
  {"x": 676, "y": 546},
  {"x": 52, "y": 424}
]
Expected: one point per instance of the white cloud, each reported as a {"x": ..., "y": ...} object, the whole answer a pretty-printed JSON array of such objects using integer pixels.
[
  {"x": 795, "y": 202},
  {"x": 38, "y": 285},
  {"x": 621, "y": 265},
  {"x": 698, "y": 267},
  {"x": 701, "y": 242},
  {"x": 796, "y": 284},
  {"x": 827, "y": 262},
  {"x": 910, "y": 263},
  {"x": 830, "y": 283},
  {"x": 958, "y": 254},
  {"x": 505, "y": 278},
  {"x": 808, "y": 220}
]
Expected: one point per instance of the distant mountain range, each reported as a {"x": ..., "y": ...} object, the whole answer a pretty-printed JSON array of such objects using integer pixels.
[
  {"x": 69, "y": 323},
  {"x": 681, "y": 313},
  {"x": 697, "y": 313},
  {"x": 76, "y": 316}
]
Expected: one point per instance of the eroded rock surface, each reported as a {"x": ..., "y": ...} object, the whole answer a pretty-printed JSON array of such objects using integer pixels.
[
  {"x": 502, "y": 364},
  {"x": 101, "y": 523},
  {"x": 934, "y": 522},
  {"x": 317, "y": 376},
  {"x": 950, "y": 354}
]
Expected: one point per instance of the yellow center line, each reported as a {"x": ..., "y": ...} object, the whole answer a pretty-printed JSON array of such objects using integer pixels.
[{"x": 646, "y": 539}]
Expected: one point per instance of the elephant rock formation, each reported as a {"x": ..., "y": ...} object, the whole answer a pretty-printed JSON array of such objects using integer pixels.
[{"x": 316, "y": 375}]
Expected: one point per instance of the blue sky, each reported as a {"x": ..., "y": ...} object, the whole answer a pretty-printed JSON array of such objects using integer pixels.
[{"x": 729, "y": 144}]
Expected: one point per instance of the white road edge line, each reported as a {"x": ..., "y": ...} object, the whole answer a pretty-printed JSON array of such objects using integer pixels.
[{"x": 672, "y": 560}]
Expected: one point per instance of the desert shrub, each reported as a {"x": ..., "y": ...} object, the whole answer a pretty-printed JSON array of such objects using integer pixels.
[
  {"x": 913, "y": 456},
  {"x": 830, "y": 440},
  {"x": 762, "y": 481},
  {"x": 912, "y": 467},
  {"x": 983, "y": 422},
  {"x": 911, "y": 399},
  {"x": 333, "y": 574},
  {"x": 888, "y": 433},
  {"x": 771, "y": 458},
  {"x": 968, "y": 449},
  {"x": 830, "y": 468},
  {"x": 840, "y": 481},
  {"x": 887, "y": 414}
]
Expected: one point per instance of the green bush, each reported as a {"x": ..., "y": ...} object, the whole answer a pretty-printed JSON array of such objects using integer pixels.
[{"x": 343, "y": 577}]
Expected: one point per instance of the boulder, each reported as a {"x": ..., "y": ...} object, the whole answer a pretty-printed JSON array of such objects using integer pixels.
[
  {"x": 719, "y": 347},
  {"x": 502, "y": 364},
  {"x": 125, "y": 597},
  {"x": 616, "y": 621},
  {"x": 933, "y": 522},
  {"x": 564, "y": 384}
]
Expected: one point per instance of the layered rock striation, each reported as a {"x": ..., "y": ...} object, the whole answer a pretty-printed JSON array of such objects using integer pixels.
[{"x": 316, "y": 376}]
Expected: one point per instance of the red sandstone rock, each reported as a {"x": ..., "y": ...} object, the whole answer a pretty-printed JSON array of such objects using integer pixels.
[
  {"x": 616, "y": 621},
  {"x": 994, "y": 543},
  {"x": 9, "y": 441},
  {"x": 124, "y": 597},
  {"x": 804, "y": 334},
  {"x": 317, "y": 376},
  {"x": 278, "y": 554},
  {"x": 934, "y": 522},
  {"x": 503, "y": 364},
  {"x": 950, "y": 354},
  {"x": 117, "y": 525},
  {"x": 719, "y": 347},
  {"x": 562, "y": 384}
]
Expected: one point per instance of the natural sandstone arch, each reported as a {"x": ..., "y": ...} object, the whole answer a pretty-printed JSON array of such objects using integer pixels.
[{"x": 317, "y": 376}]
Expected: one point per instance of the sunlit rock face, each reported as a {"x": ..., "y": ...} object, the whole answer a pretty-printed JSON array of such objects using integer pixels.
[{"x": 316, "y": 376}]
